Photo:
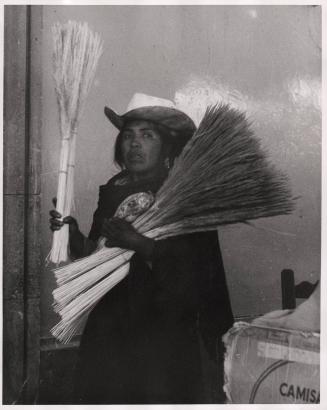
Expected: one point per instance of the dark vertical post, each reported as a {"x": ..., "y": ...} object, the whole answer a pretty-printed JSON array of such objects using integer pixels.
[
  {"x": 21, "y": 200},
  {"x": 288, "y": 289},
  {"x": 33, "y": 204},
  {"x": 15, "y": 60}
]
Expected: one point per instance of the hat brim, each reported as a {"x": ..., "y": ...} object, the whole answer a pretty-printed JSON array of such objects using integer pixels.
[
  {"x": 114, "y": 118},
  {"x": 172, "y": 118}
]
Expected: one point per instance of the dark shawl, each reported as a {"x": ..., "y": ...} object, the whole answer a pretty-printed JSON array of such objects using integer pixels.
[{"x": 141, "y": 342}]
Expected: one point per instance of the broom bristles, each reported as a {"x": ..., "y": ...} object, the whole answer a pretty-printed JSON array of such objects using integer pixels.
[
  {"x": 75, "y": 312},
  {"x": 66, "y": 293},
  {"x": 75, "y": 57},
  {"x": 73, "y": 270},
  {"x": 221, "y": 177}
]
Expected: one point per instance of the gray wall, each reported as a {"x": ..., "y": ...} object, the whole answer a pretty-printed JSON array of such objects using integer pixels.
[{"x": 264, "y": 59}]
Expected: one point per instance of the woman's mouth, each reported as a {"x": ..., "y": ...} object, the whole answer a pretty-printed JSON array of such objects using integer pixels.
[{"x": 135, "y": 157}]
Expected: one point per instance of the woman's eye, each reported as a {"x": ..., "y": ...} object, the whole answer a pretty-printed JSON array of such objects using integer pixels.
[
  {"x": 127, "y": 136},
  {"x": 148, "y": 135}
]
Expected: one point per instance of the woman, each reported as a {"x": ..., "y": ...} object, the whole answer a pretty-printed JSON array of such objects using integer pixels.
[{"x": 142, "y": 342}]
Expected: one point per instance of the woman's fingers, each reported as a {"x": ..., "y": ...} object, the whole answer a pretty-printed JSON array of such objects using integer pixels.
[
  {"x": 56, "y": 221},
  {"x": 107, "y": 226},
  {"x": 55, "y": 224},
  {"x": 110, "y": 233},
  {"x": 69, "y": 220},
  {"x": 120, "y": 224},
  {"x": 112, "y": 241},
  {"x": 117, "y": 231},
  {"x": 108, "y": 244},
  {"x": 54, "y": 213}
]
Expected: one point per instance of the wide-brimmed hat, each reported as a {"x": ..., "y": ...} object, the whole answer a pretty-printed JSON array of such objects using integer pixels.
[{"x": 158, "y": 110}]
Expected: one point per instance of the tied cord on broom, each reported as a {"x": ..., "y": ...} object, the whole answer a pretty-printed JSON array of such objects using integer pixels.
[
  {"x": 221, "y": 177},
  {"x": 75, "y": 57}
]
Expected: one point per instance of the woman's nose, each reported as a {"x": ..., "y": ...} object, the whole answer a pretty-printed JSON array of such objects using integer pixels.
[{"x": 135, "y": 141}]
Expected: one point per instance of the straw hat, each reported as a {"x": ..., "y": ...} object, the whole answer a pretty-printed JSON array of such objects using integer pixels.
[{"x": 158, "y": 110}]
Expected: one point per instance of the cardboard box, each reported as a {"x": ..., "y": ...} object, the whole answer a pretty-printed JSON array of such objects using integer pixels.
[{"x": 267, "y": 365}]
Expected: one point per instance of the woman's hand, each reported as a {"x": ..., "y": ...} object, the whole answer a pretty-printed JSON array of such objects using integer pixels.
[
  {"x": 119, "y": 233},
  {"x": 56, "y": 222},
  {"x": 79, "y": 245},
  {"x": 122, "y": 234}
]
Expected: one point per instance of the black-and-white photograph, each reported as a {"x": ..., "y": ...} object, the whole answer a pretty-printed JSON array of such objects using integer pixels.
[{"x": 162, "y": 173}]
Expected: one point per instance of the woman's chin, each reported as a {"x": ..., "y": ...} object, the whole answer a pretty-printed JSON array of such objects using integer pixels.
[
  {"x": 137, "y": 168},
  {"x": 139, "y": 172}
]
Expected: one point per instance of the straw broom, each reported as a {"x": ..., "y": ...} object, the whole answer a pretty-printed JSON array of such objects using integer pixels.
[
  {"x": 75, "y": 57},
  {"x": 221, "y": 177}
]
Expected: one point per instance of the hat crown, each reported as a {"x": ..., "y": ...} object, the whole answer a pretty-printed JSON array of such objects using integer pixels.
[
  {"x": 140, "y": 100},
  {"x": 143, "y": 107}
]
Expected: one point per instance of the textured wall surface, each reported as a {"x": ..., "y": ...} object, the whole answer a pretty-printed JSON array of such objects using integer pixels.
[
  {"x": 263, "y": 59},
  {"x": 22, "y": 261}
]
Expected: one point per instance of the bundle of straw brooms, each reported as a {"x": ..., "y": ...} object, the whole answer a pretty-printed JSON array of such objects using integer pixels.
[
  {"x": 221, "y": 177},
  {"x": 76, "y": 53}
]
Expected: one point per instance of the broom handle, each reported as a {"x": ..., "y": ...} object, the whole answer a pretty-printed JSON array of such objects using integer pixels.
[
  {"x": 70, "y": 175},
  {"x": 61, "y": 193},
  {"x": 62, "y": 179}
]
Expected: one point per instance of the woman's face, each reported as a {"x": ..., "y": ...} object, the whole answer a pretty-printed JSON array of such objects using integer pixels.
[{"x": 141, "y": 148}]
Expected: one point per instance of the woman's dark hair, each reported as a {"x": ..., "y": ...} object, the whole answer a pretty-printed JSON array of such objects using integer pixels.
[{"x": 174, "y": 144}]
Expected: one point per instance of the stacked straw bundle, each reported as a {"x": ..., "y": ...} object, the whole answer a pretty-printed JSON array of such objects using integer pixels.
[
  {"x": 221, "y": 177},
  {"x": 76, "y": 53}
]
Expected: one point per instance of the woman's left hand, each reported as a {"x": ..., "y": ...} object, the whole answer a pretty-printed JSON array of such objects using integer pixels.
[
  {"x": 119, "y": 233},
  {"x": 122, "y": 234}
]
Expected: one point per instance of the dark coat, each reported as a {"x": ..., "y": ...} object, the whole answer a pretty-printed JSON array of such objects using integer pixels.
[{"x": 141, "y": 343}]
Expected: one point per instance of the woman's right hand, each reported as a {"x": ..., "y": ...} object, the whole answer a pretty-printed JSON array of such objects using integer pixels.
[{"x": 56, "y": 222}]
